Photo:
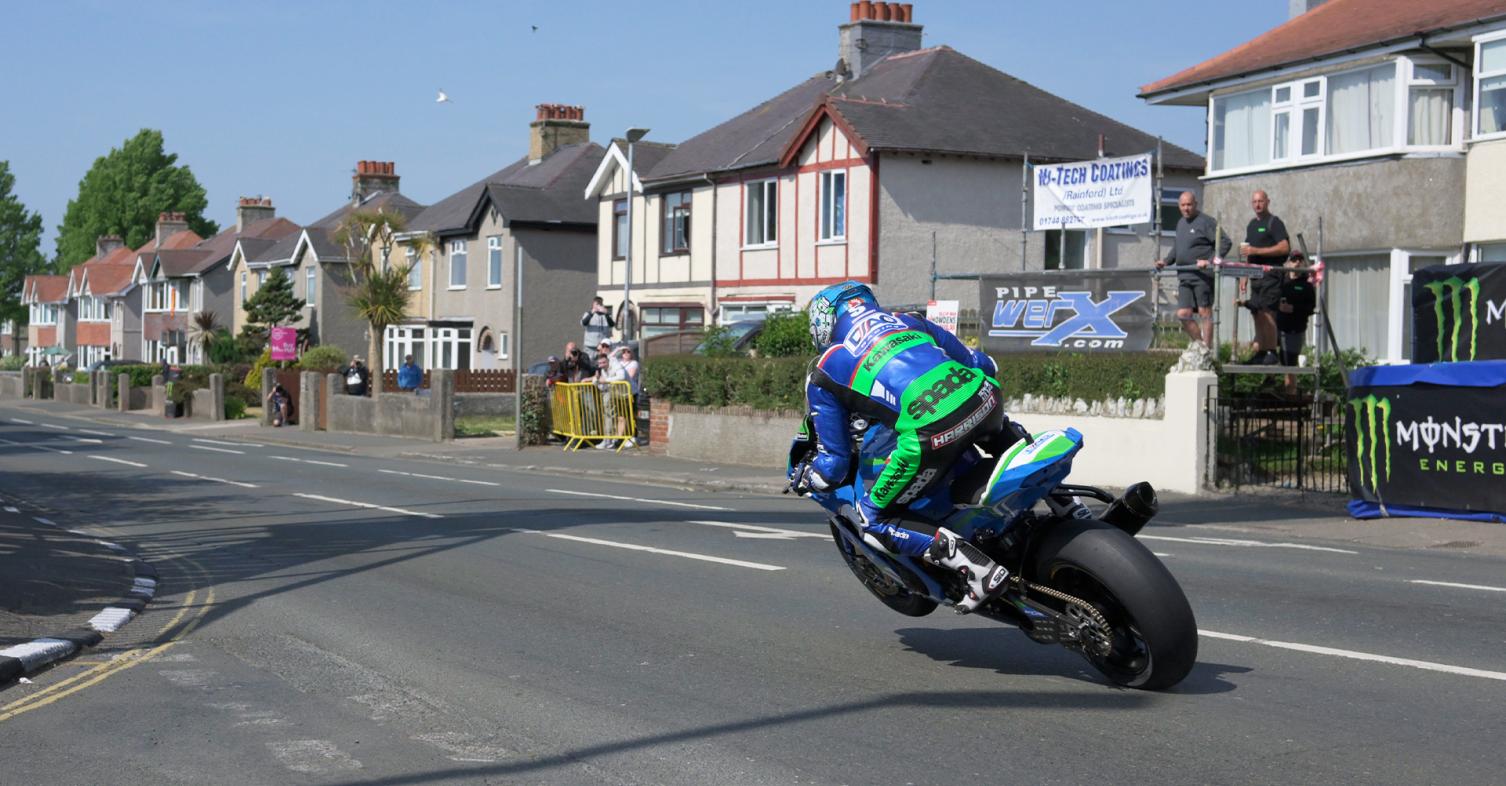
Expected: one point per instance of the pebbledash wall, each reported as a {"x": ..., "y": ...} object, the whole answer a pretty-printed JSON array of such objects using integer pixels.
[{"x": 1167, "y": 439}]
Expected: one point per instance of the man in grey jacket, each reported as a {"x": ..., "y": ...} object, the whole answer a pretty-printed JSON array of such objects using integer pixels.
[
  {"x": 598, "y": 323},
  {"x": 1193, "y": 255}
]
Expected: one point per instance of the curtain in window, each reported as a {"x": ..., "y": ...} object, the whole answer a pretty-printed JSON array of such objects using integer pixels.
[
  {"x": 1242, "y": 130},
  {"x": 1428, "y": 121},
  {"x": 1361, "y": 109},
  {"x": 1359, "y": 300},
  {"x": 1492, "y": 105}
]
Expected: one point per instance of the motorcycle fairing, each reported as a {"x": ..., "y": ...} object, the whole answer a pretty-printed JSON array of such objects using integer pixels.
[{"x": 1027, "y": 472}]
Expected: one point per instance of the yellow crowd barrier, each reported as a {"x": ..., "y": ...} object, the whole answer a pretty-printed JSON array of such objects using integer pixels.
[{"x": 588, "y": 411}]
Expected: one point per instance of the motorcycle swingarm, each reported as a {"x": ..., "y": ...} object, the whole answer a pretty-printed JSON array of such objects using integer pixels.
[{"x": 1043, "y": 624}]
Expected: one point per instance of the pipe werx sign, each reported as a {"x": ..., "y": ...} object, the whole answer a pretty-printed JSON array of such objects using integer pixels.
[{"x": 1093, "y": 310}]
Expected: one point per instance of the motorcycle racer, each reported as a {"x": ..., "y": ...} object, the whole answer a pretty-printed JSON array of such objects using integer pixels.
[{"x": 938, "y": 396}]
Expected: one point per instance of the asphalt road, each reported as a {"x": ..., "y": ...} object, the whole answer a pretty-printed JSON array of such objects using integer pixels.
[{"x": 340, "y": 619}]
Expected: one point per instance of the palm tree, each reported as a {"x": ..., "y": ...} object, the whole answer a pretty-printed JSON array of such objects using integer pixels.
[
  {"x": 376, "y": 289},
  {"x": 201, "y": 332}
]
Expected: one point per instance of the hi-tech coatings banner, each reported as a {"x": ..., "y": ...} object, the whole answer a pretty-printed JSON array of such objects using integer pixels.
[
  {"x": 1107, "y": 192},
  {"x": 1428, "y": 437},
  {"x": 1459, "y": 313},
  {"x": 1054, "y": 310}
]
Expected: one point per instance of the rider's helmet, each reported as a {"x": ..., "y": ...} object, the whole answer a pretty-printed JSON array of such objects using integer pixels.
[{"x": 828, "y": 306}]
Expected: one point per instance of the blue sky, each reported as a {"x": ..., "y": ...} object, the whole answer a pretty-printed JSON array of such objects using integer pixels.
[{"x": 282, "y": 98}]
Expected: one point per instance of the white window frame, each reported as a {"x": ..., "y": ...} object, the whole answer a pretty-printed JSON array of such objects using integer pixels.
[
  {"x": 494, "y": 262},
  {"x": 442, "y": 340},
  {"x": 415, "y": 270},
  {"x": 310, "y": 286},
  {"x": 673, "y": 217},
  {"x": 827, "y": 231},
  {"x": 458, "y": 248},
  {"x": 1479, "y": 76},
  {"x": 1456, "y": 111},
  {"x": 503, "y": 345},
  {"x": 1401, "y": 276},
  {"x": 245, "y": 280},
  {"x": 768, "y": 220}
]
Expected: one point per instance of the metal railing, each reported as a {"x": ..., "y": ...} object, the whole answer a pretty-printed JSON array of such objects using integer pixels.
[{"x": 1279, "y": 444}]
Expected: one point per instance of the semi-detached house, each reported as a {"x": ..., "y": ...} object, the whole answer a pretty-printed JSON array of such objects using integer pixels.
[
  {"x": 93, "y": 289},
  {"x": 1386, "y": 119},
  {"x": 869, "y": 171},
  {"x": 46, "y": 300}
]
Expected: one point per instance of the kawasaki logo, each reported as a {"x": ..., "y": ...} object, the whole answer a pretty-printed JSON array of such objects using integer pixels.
[
  {"x": 889, "y": 346},
  {"x": 1454, "y": 288},
  {"x": 1372, "y": 428},
  {"x": 925, "y": 403},
  {"x": 899, "y": 468}
]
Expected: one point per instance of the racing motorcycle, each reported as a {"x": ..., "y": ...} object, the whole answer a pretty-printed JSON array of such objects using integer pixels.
[{"x": 1078, "y": 578}]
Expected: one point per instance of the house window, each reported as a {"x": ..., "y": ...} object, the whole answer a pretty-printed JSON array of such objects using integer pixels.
[
  {"x": 1359, "y": 300},
  {"x": 310, "y": 285},
  {"x": 1430, "y": 104},
  {"x": 732, "y": 313},
  {"x": 763, "y": 213},
  {"x": 1170, "y": 213},
  {"x": 494, "y": 262},
  {"x": 1490, "y": 88},
  {"x": 619, "y": 229},
  {"x": 833, "y": 205},
  {"x": 1241, "y": 128},
  {"x": 1067, "y": 249},
  {"x": 675, "y": 238},
  {"x": 1361, "y": 109},
  {"x": 1415, "y": 262},
  {"x": 261, "y": 277},
  {"x": 451, "y": 348},
  {"x": 457, "y": 264},
  {"x": 245, "y": 280},
  {"x": 415, "y": 270},
  {"x": 504, "y": 347},
  {"x": 400, "y": 342},
  {"x": 658, "y": 320}
]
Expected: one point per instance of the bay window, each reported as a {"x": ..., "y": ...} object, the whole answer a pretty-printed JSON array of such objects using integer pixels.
[
  {"x": 1241, "y": 130},
  {"x": 1430, "y": 104},
  {"x": 1490, "y": 88},
  {"x": 1361, "y": 109}
]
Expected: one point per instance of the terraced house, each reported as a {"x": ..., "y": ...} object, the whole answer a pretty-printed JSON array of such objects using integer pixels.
[
  {"x": 1384, "y": 118},
  {"x": 465, "y": 254},
  {"x": 94, "y": 288},
  {"x": 46, "y": 300},
  {"x": 898, "y": 155}
]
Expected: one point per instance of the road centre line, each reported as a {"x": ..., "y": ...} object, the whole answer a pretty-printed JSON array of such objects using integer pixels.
[
  {"x": 119, "y": 461},
  {"x": 88, "y": 440},
  {"x": 640, "y": 499},
  {"x": 95, "y": 433},
  {"x": 309, "y": 461},
  {"x": 1459, "y": 586},
  {"x": 231, "y": 444},
  {"x": 654, "y": 550},
  {"x": 54, "y": 425},
  {"x": 1463, "y": 671},
  {"x": 771, "y": 532},
  {"x": 35, "y": 446},
  {"x": 149, "y": 439},
  {"x": 438, "y": 477},
  {"x": 27, "y": 422},
  {"x": 217, "y": 480},
  {"x": 338, "y": 501},
  {"x": 218, "y": 450},
  {"x": 1246, "y": 543}
]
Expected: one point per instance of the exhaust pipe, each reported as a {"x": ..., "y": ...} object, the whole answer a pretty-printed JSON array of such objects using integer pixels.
[{"x": 1131, "y": 511}]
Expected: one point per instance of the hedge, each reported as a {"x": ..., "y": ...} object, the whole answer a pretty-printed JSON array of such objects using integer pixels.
[{"x": 779, "y": 383}]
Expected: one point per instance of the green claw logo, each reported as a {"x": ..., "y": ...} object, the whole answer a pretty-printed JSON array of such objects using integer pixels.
[
  {"x": 1453, "y": 288},
  {"x": 1372, "y": 435}
]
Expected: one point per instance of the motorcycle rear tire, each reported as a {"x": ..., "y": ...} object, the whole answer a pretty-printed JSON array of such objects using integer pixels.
[
  {"x": 1155, "y": 634},
  {"x": 889, "y": 592}
]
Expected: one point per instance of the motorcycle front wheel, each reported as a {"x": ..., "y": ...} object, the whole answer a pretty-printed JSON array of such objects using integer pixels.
[
  {"x": 1152, "y": 631},
  {"x": 889, "y": 592}
]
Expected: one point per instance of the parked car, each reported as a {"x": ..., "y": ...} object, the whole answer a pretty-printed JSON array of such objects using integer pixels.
[
  {"x": 104, "y": 364},
  {"x": 742, "y": 334}
]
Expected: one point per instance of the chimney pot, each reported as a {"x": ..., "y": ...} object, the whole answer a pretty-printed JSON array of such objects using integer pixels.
[
  {"x": 853, "y": 13},
  {"x": 907, "y": 11},
  {"x": 883, "y": 11},
  {"x": 865, "y": 9}
]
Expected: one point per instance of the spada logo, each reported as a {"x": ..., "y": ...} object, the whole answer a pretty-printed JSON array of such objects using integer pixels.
[
  {"x": 1372, "y": 445},
  {"x": 1454, "y": 299},
  {"x": 1031, "y": 312},
  {"x": 925, "y": 403}
]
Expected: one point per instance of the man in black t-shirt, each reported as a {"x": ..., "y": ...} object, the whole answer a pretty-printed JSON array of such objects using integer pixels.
[{"x": 1266, "y": 243}]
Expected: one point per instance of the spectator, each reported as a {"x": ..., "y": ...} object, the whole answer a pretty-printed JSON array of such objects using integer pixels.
[
  {"x": 281, "y": 404},
  {"x": 1296, "y": 303},
  {"x": 598, "y": 323},
  {"x": 409, "y": 376},
  {"x": 604, "y": 347},
  {"x": 634, "y": 373},
  {"x": 575, "y": 365},
  {"x": 357, "y": 377},
  {"x": 1193, "y": 255},
  {"x": 1266, "y": 243},
  {"x": 555, "y": 371}
]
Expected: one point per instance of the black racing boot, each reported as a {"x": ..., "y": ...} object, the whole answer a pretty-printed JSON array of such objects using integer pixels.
[{"x": 983, "y": 577}]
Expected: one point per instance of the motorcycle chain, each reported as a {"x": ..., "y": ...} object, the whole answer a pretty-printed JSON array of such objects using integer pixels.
[{"x": 1087, "y": 608}]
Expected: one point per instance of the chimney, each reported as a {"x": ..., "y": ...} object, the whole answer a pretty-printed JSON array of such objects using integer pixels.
[
  {"x": 875, "y": 31},
  {"x": 169, "y": 224},
  {"x": 1296, "y": 8},
  {"x": 251, "y": 210},
  {"x": 104, "y": 244},
  {"x": 556, "y": 126},
  {"x": 372, "y": 177}
]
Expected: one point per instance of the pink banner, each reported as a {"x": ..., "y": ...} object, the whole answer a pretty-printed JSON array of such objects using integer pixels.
[{"x": 284, "y": 343}]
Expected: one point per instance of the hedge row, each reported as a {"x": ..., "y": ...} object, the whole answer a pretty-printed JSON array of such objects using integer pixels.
[{"x": 779, "y": 383}]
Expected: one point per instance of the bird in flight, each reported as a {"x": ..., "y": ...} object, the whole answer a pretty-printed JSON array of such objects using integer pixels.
[
  {"x": 535, "y": 28},
  {"x": 442, "y": 99}
]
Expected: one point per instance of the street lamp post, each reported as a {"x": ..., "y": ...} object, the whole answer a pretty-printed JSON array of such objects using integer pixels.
[{"x": 630, "y": 330}]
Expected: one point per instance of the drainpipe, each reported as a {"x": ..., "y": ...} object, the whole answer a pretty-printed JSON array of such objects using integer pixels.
[{"x": 711, "y": 310}]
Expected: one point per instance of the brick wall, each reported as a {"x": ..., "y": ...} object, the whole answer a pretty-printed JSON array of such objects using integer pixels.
[{"x": 658, "y": 425}]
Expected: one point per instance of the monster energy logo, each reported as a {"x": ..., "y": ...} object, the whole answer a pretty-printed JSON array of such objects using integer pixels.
[
  {"x": 1372, "y": 428},
  {"x": 1455, "y": 287}
]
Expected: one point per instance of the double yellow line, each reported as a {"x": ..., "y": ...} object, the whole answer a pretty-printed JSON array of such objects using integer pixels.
[{"x": 100, "y": 672}]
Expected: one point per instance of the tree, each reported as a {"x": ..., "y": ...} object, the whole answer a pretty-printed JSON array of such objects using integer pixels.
[
  {"x": 20, "y": 247},
  {"x": 274, "y": 303},
  {"x": 124, "y": 192},
  {"x": 376, "y": 289}
]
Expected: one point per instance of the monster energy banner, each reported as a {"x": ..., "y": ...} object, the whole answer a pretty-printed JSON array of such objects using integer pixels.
[
  {"x": 1427, "y": 437},
  {"x": 1459, "y": 313},
  {"x": 1054, "y": 310}
]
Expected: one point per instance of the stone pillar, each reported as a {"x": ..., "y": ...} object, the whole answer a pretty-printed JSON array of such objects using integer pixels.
[
  {"x": 268, "y": 381},
  {"x": 123, "y": 392},
  {"x": 159, "y": 394},
  {"x": 659, "y": 417},
  {"x": 308, "y": 399},
  {"x": 442, "y": 403},
  {"x": 335, "y": 384},
  {"x": 217, "y": 396},
  {"x": 1186, "y": 427}
]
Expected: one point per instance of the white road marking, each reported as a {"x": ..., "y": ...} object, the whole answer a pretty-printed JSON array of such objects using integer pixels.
[
  {"x": 338, "y": 501},
  {"x": 1460, "y": 586},
  {"x": 217, "y": 480},
  {"x": 1246, "y": 543},
  {"x": 1159, "y": 554},
  {"x": 640, "y": 499},
  {"x": 9, "y": 509},
  {"x": 149, "y": 439},
  {"x": 1314, "y": 649},
  {"x": 309, "y": 461},
  {"x": 27, "y": 422},
  {"x": 312, "y": 757},
  {"x": 54, "y": 425},
  {"x": 49, "y": 522},
  {"x": 119, "y": 461},
  {"x": 88, "y": 440},
  {"x": 769, "y": 533},
  {"x": 218, "y": 450},
  {"x": 653, "y": 550},
  {"x": 95, "y": 433},
  {"x": 231, "y": 444},
  {"x": 439, "y": 477},
  {"x": 35, "y": 446}
]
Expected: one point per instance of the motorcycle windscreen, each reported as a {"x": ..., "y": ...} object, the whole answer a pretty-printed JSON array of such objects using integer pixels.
[{"x": 1027, "y": 472}]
